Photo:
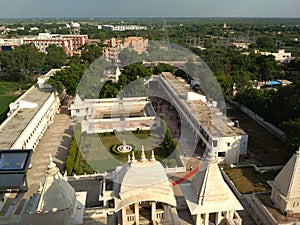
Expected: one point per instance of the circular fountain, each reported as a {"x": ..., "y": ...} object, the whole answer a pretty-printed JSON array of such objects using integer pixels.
[{"x": 124, "y": 147}]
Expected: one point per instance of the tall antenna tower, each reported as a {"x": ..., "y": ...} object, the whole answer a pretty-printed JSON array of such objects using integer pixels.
[{"x": 166, "y": 37}]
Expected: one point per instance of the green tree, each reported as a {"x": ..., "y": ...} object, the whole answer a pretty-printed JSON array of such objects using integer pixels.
[
  {"x": 241, "y": 79},
  {"x": 55, "y": 57},
  {"x": 168, "y": 144},
  {"x": 265, "y": 42},
  {"x": 109, "y": 90},
  {"x": 22, "y": 62},
  {"x": 292, "y": 131},
  {"x": 68, "y": 78},
  {"x": 162, "y": 67},
  {"x": 226, "y": 83},
  {"x": 129, "y": 56},
  {"x": 208, "y": 43},
  {"x": 90, "y": 53},
  {"x": 264, "y": 67},
  {"x": 133, "y": 72}
]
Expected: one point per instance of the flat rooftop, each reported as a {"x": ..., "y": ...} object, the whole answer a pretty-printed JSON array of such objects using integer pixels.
[
  {"x": 209, "y": 117},
  {"x": 92, "y": 186},
  {"x": 120, "y": 125},
  {"x": 102, "y": 112},
  {"x": 9, "y": 132}
]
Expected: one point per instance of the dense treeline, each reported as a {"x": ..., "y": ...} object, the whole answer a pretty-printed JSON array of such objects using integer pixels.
[
  {"x": 279, "y": 106},
  {"x": 25, "y": 61},
  {"x": 282, "y": 108}
]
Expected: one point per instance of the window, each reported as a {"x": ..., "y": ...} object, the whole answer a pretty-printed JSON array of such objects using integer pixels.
[
  {"x": 228, "y": 144},
  {"x": 221, "y": 154},
  {"x": 215, "y": 143},
  {"x": 77, "y": 110}
]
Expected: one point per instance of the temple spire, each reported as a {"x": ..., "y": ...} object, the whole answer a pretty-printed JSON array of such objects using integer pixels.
[
  {"x": 152, "y": 156},
  {"x": 133, "y": 158},
  {"x": 143, "y": 157},
  {"x": 52, "y": 169},
  {"x": 128, "y": 158}
]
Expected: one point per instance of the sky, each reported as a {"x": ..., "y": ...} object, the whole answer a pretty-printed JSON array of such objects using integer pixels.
[{"x": 148, "y": 8}]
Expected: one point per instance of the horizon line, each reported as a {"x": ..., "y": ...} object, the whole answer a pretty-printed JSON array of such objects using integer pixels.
[{"x": 152, "y": 17}]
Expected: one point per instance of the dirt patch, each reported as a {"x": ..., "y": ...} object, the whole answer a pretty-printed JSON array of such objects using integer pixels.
[{"x": 264, "y": 149}]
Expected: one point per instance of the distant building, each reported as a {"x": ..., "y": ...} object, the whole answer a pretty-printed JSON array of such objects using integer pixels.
[
  {"x": 271, "y": 84},
  {"x": 121, "y": 27},
  {"x": 281, "y": 56},
  {"x": 241, "y": 45},
  {"x": 74, "y": 28},
  {"x": 70, "y": 43},
  {"x": 115, "y": 46},
  {"x": 9, "y": 44}
]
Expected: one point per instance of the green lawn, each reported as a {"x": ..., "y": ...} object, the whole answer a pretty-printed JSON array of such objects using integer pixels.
[
  {"x": 247, "y": 180},
  {"x": 4, "y": 103},
  {"x": 96, "y": 154},
  {"x": 9, "y": 92}
]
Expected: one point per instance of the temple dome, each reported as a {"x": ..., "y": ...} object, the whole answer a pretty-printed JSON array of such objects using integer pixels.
[{"x": 143, "y": 180}]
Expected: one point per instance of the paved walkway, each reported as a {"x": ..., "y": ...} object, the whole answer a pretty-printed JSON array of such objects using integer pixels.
[{"x": 56, "y": 142}]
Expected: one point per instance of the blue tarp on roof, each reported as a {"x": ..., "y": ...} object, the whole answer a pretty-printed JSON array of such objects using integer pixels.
[{"x": 274, "y": 82}]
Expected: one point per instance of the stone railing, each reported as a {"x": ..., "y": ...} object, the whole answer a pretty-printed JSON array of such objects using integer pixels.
[
  {"x": 98, "y": 212},
  {"x": 160, "y": 214},
  {"x": 85, "y": 177},
  {"x": 231, "y": 185},
  {"x": 175, "y": 169},
  {"x": 260, "y": 169},
  {"x": 262, "y": 209},
  {"x": 130, "y": 218}
]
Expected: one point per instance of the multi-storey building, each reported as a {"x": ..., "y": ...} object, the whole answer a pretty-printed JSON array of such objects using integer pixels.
[
  {"x": 70, "y": 43},
  {"x": 115, "y": 46},
  {"x": 215, "y": 131},
  {"x": 29, "y": 117}
]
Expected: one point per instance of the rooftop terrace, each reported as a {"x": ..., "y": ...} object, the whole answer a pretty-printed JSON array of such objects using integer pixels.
[
  {"x": 14, "y": 125},
  {"x": 210, "y": 118}
]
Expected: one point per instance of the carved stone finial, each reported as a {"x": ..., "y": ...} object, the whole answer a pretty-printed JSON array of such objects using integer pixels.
[
  {"x": 133, "y": 158},
  {"x": 152, "y": 156},
  {"x": 52, "y": 169},
  {"x": 143, "y": 157},
  {"x": 128, "y": 158}
]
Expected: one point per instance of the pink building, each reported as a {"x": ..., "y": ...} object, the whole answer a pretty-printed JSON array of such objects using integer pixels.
[{"x": 70, "y": 43}]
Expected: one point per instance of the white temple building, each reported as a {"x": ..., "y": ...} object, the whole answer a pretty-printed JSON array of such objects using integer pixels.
[
  {"x": 142, "y": 192},
  {"x": 209, "y": 199},
  {"x": 282, "y": 205},
  {"x": 286, "y": 186},
  {"x": 57, "y": 194}
]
